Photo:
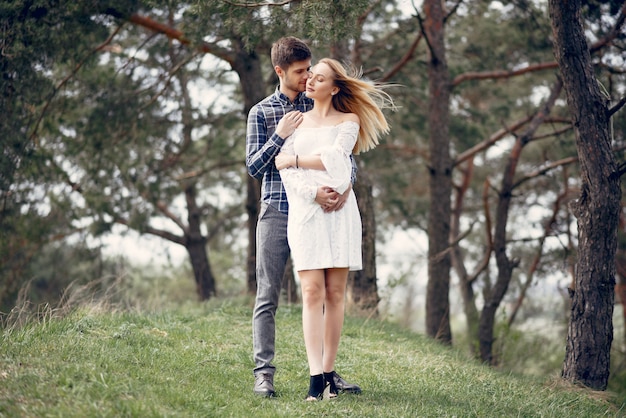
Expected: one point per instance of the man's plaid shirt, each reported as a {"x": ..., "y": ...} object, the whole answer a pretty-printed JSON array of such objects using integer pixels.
[{"x": 262, "y": 144}]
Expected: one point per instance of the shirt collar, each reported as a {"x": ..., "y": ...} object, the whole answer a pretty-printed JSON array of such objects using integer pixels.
[{"x": 285, "y": 100}]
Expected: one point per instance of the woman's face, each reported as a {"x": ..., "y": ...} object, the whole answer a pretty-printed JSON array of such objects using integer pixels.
[{"x": 321, "y": 82}]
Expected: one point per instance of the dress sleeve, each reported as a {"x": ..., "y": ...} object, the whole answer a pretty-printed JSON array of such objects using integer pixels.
[
  {"x": 336, "y": 158},
  {"x": 296, "y": 181}
]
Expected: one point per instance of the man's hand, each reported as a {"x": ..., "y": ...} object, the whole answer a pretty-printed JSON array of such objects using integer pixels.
[
  {"x": 289, "y": 123},
  {"x": 330, "y": 200}
]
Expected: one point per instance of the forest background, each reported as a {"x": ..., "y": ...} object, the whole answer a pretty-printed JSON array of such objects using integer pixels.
[{"x": 128, "y": 118}]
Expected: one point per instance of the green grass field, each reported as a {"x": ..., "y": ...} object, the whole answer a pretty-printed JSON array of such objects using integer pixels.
[{"x": 195, "y": 361}]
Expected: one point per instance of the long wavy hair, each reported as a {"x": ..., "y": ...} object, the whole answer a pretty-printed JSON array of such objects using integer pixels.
[{"x": 365, "y": 99}]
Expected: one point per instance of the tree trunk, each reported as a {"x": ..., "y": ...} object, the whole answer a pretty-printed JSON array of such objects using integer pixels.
[
  {"x": 362, "y": 286},
  {"x": 620, "y": 295},
  {"x": 195, "y": 244},
  {"x": 289, "y": 288},
  {"x": 253, "y": 196},
  {"x": 494, "y": 297},
  {"x": 195, "y": 241},
  {"x": 620, "y": 266},
  {"x": 458, "y": 259},
  {"x": 438, "y": 288},
  {"x": 247, "y": 65},
  {"x": 590, "y": 330}
]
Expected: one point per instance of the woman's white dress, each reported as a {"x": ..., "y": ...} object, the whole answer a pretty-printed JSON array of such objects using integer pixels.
[{"x": 320, "y": 240}]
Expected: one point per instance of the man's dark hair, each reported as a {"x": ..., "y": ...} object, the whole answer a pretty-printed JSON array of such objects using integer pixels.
[{"x": 288, "y": 50}]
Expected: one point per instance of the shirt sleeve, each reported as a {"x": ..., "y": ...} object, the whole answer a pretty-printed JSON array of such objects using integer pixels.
[
  {"x": 354, "y": 169},
  {"x": 260, "y": 149}
]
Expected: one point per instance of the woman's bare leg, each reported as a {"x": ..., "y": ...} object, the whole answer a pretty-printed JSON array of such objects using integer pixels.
[
  {"x": 336, "y": 280},
  {"x": 313, "y": 295}
]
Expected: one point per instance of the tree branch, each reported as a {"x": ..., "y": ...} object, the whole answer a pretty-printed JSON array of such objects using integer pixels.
[
  {"x": 78, "y": 66},
  {"x": 172, "y": 33},
  {"x": 452, "y": 11},
  {"x": 614, "y": 33},
  {"x": 176, "y": 239},
  {"x": 406, "y": 150},
  {"x": 491, "y": 140},
  {"x": 617, "y": 107},
  {"x": 484, "y": 263},
  {"x": 545, "y": 169},
  {"x": 254, "y": 5},
  {"x": 167, "y": 81},
  {"x": 171, "y": 216},
  {"x": 548, "y": 227},
  {"x": 405, "y": 59},
  {"x": 502, "y": 74},
  {"x": 423, "y": 32}
]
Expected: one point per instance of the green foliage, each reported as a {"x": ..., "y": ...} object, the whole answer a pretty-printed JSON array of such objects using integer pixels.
[
  {"x": 196, "y": 360},
  {"x": 330, "y": 22},
  {"x": 36, "y": 37},
  {"x": 258, "y": 25},
  {"x": 39, "y": 38}
]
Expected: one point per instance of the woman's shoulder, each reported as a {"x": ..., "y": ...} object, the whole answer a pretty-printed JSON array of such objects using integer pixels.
[{"x": 350, "y": 117}]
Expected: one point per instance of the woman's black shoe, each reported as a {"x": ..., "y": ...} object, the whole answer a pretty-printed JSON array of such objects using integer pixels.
[{"x": 316, "y": 388}]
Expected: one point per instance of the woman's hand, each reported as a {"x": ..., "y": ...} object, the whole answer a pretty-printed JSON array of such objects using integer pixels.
[{"x": 283, "y": 160}]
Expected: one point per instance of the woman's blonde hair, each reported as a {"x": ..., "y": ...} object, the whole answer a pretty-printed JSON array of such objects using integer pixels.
[{"x": 363, "y": 98}]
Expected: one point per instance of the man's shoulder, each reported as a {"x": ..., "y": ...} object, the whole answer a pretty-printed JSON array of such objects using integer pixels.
[
  {"x": 268, "y": 107},
  {"x": 269, "y": 102}
]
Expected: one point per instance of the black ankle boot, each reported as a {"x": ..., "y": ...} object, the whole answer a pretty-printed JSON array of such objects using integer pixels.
[
  {"x": 330, "y": 381},
  {"x": 316, "y": 388}
]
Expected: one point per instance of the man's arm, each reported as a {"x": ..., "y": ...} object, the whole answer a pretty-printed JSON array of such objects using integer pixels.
[{"x": 260, "y": 149}]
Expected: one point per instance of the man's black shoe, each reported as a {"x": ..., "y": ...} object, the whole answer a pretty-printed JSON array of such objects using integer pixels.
[
  {"x": 264, "y": 385},
  {"x": 343, "y": 386}
]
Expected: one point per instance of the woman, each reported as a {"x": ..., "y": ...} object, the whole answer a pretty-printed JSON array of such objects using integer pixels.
[{"x": 325, "y": 245}]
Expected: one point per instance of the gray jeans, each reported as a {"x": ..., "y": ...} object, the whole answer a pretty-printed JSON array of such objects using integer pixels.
[{"x": 271, "y": 257}]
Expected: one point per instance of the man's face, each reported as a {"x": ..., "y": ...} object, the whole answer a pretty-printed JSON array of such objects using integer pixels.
[{"x": 294, "y": 79}]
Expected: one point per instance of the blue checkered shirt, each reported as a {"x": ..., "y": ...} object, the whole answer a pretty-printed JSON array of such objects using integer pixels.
[{"x": 262, "y": 144}]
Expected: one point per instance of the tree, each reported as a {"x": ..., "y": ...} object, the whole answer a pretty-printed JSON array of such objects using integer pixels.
[
  {"x": 130, "y": 143},
  {"x": 38, "y": 39},
  {"x": 162, "y": 132},
  {"x": 504, "y": 263},
  {"x": 590, "y": 331},
  {"x": 479, "y": 96},
  {"x": 440, "y": 170}
]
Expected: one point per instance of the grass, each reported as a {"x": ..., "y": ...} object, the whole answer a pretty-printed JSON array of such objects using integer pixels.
[{"x": 195, "y": 361}]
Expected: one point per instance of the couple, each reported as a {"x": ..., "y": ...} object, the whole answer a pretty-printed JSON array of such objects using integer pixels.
[{"x": 300, "y": 142}]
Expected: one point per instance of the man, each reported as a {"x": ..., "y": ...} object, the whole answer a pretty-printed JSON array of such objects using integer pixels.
[{"x": 269, "y": 123}]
